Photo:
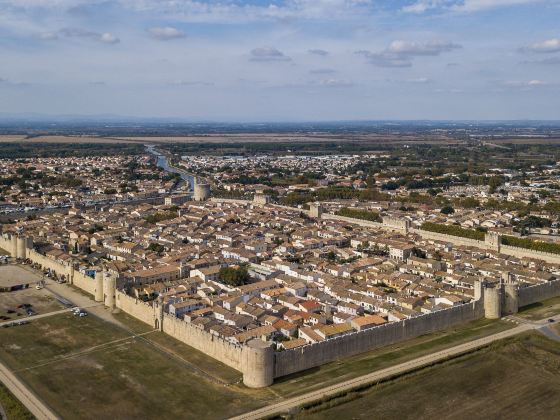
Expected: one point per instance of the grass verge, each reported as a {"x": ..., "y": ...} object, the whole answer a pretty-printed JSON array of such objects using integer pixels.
[{"x": 14, "y": 409}]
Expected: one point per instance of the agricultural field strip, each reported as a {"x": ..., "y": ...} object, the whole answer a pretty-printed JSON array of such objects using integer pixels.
[{"x": 373, "y": 377}]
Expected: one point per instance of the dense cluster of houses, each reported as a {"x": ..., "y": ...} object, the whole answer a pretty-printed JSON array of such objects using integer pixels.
[{"x": 305, "y": 280}]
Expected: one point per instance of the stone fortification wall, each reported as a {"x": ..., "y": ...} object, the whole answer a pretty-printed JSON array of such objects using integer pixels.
[
  {"x": 359, "y": 222},
  {"x": 314, "y": 355},
  {"x": 211, "y": 345},
  {"x": 143, "y": 311},
  {"x": 48, "y": 263},
  {"x": 455, "y": 240},
  {"x": 229, "y": 200},
  {"x": 216, "y": 347},
  {"x": 538, "y": 292},
  {"x": 86, "y": 283},
  {"x": 529, "y": 253},
  {"x": 6, "y": 244}
]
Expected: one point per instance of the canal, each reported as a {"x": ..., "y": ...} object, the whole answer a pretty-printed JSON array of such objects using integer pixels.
[{"x": 163, "y": 163}]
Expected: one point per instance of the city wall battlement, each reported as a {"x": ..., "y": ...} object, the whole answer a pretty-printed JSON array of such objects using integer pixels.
[
  {"x": 538, "y": 292},
  {"x": 313, "y": 355},
  {"x": 256, "y": 359}
]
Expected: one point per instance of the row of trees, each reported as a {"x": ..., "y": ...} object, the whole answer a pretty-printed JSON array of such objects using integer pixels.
[
  {"x": 453, "y": 230},
  {"x": 360, "y": 214},
  {"x": 531, "y": 244},
  {"x": 161, "y": 216}
]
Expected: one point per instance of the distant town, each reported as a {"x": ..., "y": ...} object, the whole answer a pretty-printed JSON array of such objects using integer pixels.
[{"x": 276, "y": 262}]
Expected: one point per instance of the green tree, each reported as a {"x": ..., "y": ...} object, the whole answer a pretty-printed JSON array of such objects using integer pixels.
[
  {"x": 447, "y": 210},
  {"x": 234, "y": 276}
]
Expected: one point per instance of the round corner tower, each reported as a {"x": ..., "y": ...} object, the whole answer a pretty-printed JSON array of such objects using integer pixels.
[
  {"x": 201, "y": 191},
  {"x": 109, "y": 289},
  {"x": 99, "y": 285},
  {"x": 315, "y": 210},
  {"x": 493, "y": 302},
  {"x": 511, "y": 297},
  {"x": 258, "y": 364}
]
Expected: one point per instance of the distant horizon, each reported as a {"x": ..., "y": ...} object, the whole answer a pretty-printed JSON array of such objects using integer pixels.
[{"x": 123, "y": 119}]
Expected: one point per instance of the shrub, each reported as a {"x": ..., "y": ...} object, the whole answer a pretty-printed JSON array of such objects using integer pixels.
[{"x": 359, "y": 214}]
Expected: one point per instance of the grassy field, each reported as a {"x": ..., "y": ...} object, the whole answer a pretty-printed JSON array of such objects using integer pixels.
[
  {"x": 378, "y": 359},
  {"x": 85, "y": 368},
  {"x": 514, "y": 378},
  {"x": 208, "y": 365},
  {"x": 107, "y": 371},
  {"x": 541, "y": 310},
  {"x": 13, "y": 408}
]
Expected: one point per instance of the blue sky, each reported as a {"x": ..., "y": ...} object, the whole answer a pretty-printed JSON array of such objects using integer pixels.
[{"x": 282, "y": 60}]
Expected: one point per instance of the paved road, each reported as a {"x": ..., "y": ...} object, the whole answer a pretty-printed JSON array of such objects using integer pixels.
[
  {"x": 544, "y": 326},
  {"x": 81, "y": 300},
  {"x": 383, "y": 374},
  {"x": 27, "y": 398},
  {"x": 3, "y": 414}
]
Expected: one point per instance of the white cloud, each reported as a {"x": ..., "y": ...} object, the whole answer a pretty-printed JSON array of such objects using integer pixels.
[
  {"x": 548, "y": 46},
  {"x": 166, "y": 33},
  {"x": 230, "y": 11},
  {"x": 385, "y": 59},
  {"x": 464, "y": 6},
  {"x": 108, "y": 38},
  {"x": 105, "y": 38},
  {"x": 480, "y": 5},
  {"x": 322, "y": 71},
  {"x": 335, "y": 83},
  {"x": 524, "y": 83},
  {"x": 422, "y": 6},
  {"x": 268, "y": 54},
  {"x": 322, "y": 53},
  {"x": 401, "y": 53},
  {"x": 48, "y": 36},
  {"x": 418, "y": 48},
  {"x": 418, "y": 80}
]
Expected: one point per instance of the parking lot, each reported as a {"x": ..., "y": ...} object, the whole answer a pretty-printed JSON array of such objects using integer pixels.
[{"x": 19, "y": 304}]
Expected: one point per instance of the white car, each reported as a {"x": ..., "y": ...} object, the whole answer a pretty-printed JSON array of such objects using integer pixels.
[{"x": 82, "y": 314}]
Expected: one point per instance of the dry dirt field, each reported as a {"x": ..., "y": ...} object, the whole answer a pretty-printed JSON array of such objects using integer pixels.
[
  {"x": 85, "y": 368},
  {"x": 41, "y": 301},
  {"x": 61, "y": 139},
  {"x": 236, "y": 138}
]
